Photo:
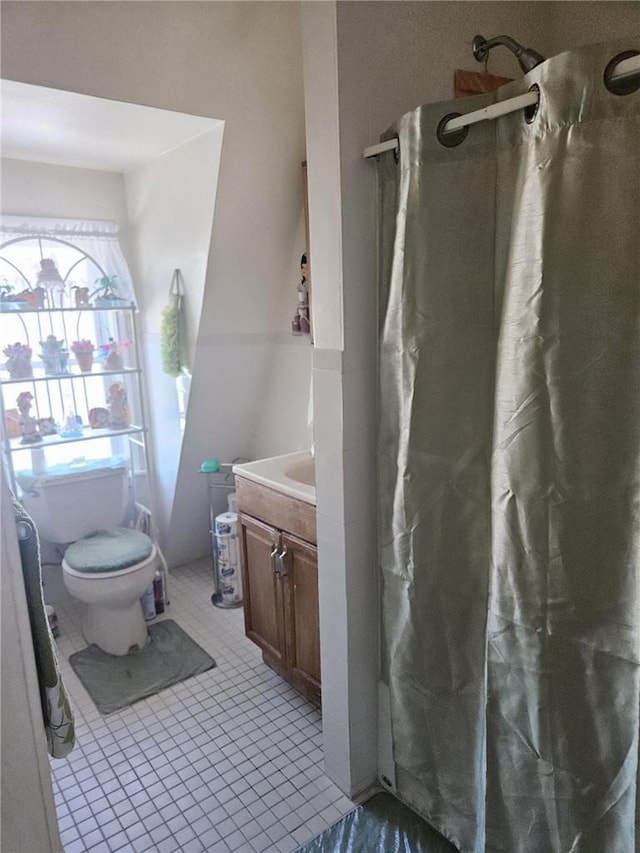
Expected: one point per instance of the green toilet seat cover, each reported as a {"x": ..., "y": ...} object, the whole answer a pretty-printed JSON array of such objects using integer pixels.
[{"x": 109, "y": 550}]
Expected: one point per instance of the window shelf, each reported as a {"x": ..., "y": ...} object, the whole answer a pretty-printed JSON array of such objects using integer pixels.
[
  {"x": 15, "y": 312},
  {"x": 15, "y": 444},
  {"x": 90, "y": 375},
  {"x": 102, "y": 395},
  {"x": 56, "y": 396}
]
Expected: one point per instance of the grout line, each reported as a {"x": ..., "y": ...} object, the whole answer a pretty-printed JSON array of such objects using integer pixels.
[{"x": 231, "y": 751}]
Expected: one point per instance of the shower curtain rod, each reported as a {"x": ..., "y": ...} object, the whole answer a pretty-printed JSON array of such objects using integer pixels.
[{"x": 625, "y": 68}]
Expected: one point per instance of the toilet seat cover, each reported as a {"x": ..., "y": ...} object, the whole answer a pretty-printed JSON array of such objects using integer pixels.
[{"x": 109, "y": 550}]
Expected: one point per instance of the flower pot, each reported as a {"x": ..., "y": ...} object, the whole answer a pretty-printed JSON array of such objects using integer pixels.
[
  {"x": 84, "y": 361},
  {"x": 19, "y": 367},
  {"x": 114, "y": 361}
]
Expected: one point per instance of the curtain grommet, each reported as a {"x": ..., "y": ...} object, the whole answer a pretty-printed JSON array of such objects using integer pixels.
[
  {"x": 454, "y": 138},
  {"x": 531, "y": 112},
  {"x": 620, "y": 85},
  {"x": 396, "y": 150}
]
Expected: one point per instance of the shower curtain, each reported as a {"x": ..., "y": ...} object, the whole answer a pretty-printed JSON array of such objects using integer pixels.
[{"x": 509, "y": 477}]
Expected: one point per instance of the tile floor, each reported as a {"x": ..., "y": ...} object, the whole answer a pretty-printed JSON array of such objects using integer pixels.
[{"x": 230, "y": 760}]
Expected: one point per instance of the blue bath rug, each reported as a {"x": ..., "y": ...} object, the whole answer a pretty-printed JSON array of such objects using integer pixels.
[{"x": 115, "y": 682}]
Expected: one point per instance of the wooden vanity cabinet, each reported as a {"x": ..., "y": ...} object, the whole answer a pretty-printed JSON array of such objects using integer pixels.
[
  {"x": 301, "y": 621},
  {"x": 263, "y": 598},
  {"x": 280, "y": 583}
]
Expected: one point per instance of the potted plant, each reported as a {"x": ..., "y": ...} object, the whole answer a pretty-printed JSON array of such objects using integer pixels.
[
  {"x": 18, "y": 360},
  {"x": 107, "y": 292},
  {"x": 83, "y": 351}
]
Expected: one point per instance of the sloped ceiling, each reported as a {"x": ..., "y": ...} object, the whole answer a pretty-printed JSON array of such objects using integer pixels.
[{"x": 68, "y": 129}]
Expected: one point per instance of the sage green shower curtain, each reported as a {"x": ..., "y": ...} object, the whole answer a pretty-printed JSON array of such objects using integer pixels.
[{"x": 509, "y": 475}]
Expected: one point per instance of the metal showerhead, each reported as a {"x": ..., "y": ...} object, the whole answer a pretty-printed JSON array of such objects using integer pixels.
[{"x": 526, "y": 56}]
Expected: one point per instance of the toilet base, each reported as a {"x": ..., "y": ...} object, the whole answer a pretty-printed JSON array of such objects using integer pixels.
[{"x": 115, "y": 631}]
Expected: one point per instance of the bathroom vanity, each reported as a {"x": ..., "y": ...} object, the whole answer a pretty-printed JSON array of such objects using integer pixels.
[{"x": 277, "y": 517}]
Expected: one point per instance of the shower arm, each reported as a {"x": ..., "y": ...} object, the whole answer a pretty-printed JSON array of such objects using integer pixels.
[{"x": 526, "y": 56}]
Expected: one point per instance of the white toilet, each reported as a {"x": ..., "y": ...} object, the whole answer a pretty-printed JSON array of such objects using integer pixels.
[{"x": 107, "y": 567}]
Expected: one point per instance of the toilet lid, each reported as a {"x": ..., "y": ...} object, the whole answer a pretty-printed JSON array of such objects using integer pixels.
[{"x": 109, "y": 550}]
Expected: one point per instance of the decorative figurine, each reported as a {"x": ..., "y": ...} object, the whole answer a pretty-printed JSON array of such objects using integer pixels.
[
  {"x": 28, "y": 424},
  {"x": 113, "y": 354},
  {"x": 54, "y": 356},
  {"x": 12, "y": 423},
  {"x": 47, "y": 426},
  {"x": 118, "y": 406},
  {"x": 304, "y": 268},
  {"x": 18, "y": 360},
  {"x": 98, "y": 418},
  {"x": 34, "y": 298},
  {"x": 81, "y": 296},
  {"x": 39, "y": 296},
  {"x": 72, "y": 426},
  {"x": 301, "y": 325},
  {"x": 50, "y": 278}
]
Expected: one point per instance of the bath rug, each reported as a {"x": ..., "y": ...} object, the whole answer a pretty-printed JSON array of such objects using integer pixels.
[
  {"x": 114, "y": 682},
  {"x": 383, "y": 824}
]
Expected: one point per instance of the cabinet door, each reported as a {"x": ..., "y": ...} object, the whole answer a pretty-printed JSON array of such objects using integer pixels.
[
  {"x": 299, "y": 567},
  {"x": 262, "y": 591}
]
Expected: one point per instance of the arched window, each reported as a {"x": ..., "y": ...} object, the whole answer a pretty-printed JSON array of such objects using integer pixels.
[{"x": 63, "y": 268}]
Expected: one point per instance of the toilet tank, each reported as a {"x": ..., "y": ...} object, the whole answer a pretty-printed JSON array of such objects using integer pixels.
[{"x": 67, "y": 506}]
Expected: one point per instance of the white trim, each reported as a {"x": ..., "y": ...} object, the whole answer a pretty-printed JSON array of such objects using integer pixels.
[{"x": 33, "y": 226}]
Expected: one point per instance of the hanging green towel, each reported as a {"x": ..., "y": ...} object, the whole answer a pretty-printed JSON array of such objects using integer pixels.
[
  {"x": 56, "y": 709},
  {"x": 172, "y": 330}
]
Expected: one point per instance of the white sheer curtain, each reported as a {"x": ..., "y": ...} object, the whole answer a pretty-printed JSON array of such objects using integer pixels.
[{"x": 98, "y": 238}]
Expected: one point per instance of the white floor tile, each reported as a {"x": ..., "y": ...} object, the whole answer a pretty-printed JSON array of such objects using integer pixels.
[{"x": 227, "y": 762}]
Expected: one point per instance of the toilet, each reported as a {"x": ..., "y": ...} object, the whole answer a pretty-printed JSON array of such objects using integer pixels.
[{"x": 107, "y": 567}]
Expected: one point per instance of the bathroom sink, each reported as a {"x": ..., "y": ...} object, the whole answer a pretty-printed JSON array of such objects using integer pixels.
[
  {"x": 303, "y": 472},
  {"x": 292, "y": 474}
]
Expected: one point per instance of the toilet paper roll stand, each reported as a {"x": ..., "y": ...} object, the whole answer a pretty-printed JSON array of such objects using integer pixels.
[{"x": 219, "y": 476}]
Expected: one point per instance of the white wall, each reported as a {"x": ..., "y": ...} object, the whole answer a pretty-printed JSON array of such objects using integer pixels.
[
  {"x": 577, "y": 23},
  {"x": 240, "y": 63},
  {"x": 287, "y": 386},
  {"x": 41, "y": 189},
  {"x": 171, "y": 204}
]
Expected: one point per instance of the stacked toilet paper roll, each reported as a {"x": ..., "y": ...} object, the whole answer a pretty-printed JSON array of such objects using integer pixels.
[{"x": 228, "y": 558}]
